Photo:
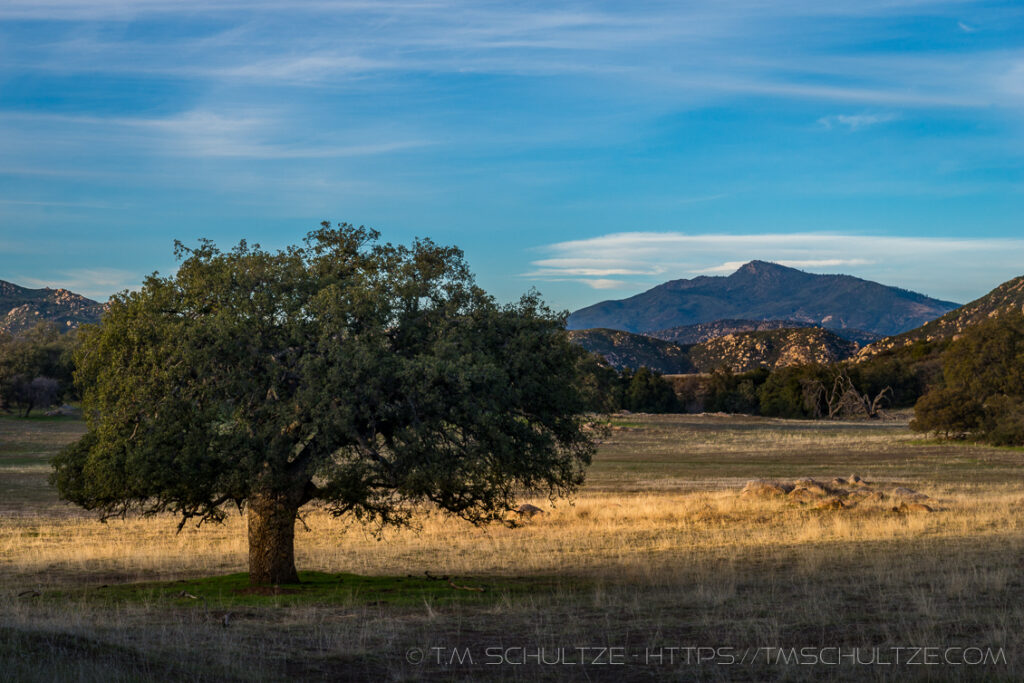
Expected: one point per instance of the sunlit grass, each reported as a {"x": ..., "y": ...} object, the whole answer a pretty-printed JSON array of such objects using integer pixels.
[{"x": 661, "y": 550}]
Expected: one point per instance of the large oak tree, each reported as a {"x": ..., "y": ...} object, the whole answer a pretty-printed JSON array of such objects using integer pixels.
[{"x": 367, "y": 377}]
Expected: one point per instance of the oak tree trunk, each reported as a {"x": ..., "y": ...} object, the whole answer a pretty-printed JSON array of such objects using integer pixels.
[{"x": 272, "y": 539}]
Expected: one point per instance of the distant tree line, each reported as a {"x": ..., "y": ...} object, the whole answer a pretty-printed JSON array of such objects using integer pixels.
[
  {"x": 968, "y": 388},
  {"x": 36, "y": 368},
  {"x": 606, "y": 389},
  {"x": 891, "y": 380}
]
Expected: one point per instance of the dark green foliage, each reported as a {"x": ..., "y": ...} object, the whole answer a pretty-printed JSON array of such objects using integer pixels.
[
  {"x": 906, "y": 379},
  {"x": 600, "y": 385},
  {"x": 784, "y": 392},
  {"x": 606, "y": 390},
  {"x": 648, "y": 392},
  {"x": 369, "y": 377},
  {"x": 947, "y": 412},
  {"x": 36, "y": 368},
  {"x": 982, "y": 389},
  {"x": 909, "y": 371},
  {"x": 727, "y": 392}
]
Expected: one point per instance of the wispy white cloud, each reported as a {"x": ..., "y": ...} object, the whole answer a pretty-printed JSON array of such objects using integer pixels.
[
  {"x": 606, "y": 284},
  {"x": 938, "y": 266},
  {"x": 966, "y": 28},
  {"x": 590, "y": 267},
  {"x": 732, "y": 266},
  {"x": 733, "y": 47},
  {"x": 95, "y": 283},
  {"x": 210, "y": 134},
  {"x": 856, "y": 121}
]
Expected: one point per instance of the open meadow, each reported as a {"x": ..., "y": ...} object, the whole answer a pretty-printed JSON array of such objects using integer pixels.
[{"x": 659, "y": 569}]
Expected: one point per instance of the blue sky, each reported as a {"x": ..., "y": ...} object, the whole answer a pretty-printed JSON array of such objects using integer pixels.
[{"x": 588, "y": 149}]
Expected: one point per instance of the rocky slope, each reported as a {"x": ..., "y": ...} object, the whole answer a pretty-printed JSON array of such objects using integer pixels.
[
  {"x": 702, "y": 332},
  {"x": 1007, "y": 297},
  {"x": 22, "y": 308},
  {"x": 771, "y": 349},
  {"x": 629, "y": 350},
  {"x": 739, "y": 352}
]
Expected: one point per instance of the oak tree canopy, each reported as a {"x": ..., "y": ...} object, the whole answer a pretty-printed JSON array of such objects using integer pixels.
[{"x": 366, "y": 377}]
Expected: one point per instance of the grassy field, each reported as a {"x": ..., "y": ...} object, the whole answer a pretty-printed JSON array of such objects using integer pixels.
[{"x": 660, "y": 569}]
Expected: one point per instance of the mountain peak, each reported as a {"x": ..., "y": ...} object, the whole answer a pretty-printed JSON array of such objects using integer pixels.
[
  {"x": 761, "y": 268},
  {"x": 758, "y": 265},
  {"x": 761, "y": 290}
]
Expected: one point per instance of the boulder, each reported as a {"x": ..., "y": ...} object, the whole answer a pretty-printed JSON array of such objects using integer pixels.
[
  {"x": 760, "y": 488},
  {"x": 815, "y": 487},
  {"x": 906, "y": 508},
  {"x": 908, "y": 494},
  {"x": 528, "y": 511}
]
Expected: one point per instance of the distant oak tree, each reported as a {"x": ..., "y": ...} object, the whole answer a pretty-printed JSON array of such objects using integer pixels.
[
  {"x": 35, "y": 367},
  {"x": 367, "y": 377}
]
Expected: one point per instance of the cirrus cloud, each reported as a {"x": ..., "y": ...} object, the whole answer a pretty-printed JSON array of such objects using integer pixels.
[{"x": 958, "y": 269}]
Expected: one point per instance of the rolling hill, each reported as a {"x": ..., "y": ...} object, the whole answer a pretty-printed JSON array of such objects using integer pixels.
[
  {"x": 739, "y": 352},
  {"x": 772, "y": 349},
  {"x": 1007, "y": 297},
  {"x": 702, "y": 332},
  {"x": 22, "y": 308},
  {"x": 767, "y": 291},
  {"x": 628, "y": 350}
]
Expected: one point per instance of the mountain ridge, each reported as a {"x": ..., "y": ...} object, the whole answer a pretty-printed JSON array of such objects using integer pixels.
[
  {"x": 760, "y": 290},
  {"x": 22, "y": 308},
  {"x": 1004, "y": 298}
]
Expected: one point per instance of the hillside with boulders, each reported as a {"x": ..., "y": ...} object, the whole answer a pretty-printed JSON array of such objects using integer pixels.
[
  {"x": 627, "y": 350},
  {"x": 1006, "y": 298},
  {"x": 738, "y": 352},
  {"x": 772, "y": 349},
  {"x": 702, "y": 332},
  {"x": 22, "y": 308}
]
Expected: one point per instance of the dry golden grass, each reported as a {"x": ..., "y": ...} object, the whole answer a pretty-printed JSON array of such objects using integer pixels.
[
  {"x": 661, "y": 552},
  {"x": 598, "y": 534}
]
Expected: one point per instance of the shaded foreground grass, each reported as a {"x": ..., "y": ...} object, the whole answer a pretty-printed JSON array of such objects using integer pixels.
[
  {"x": 314, "y": 588},
  {"x": 659, "y": 552}
]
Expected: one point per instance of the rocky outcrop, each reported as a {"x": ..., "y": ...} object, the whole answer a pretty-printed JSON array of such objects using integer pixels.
[{"x": 22, "y": 308}]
